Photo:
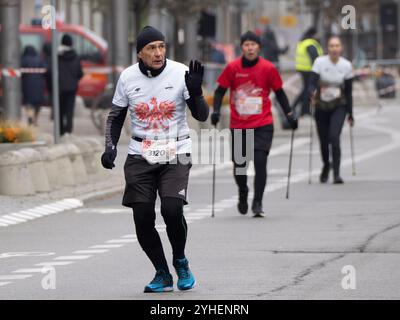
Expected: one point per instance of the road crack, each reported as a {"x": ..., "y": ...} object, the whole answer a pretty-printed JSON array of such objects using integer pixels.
[{"x": 320, "y": 265}]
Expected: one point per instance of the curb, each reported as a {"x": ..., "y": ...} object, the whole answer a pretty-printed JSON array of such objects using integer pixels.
[{"x": 100, "y": 194}]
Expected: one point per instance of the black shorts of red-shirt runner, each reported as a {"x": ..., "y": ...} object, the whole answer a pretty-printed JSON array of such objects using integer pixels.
[
  {"x": 143, "y": 180},
  {"x": 262, "y": 141}
]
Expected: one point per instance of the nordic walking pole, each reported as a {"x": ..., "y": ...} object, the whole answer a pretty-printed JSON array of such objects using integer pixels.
[
  {"x": 353, "y": 164},
  {"x": 290, "y": 165},
  {"x": 311, "y": 146},
  {"x": 213, "y": 182}
]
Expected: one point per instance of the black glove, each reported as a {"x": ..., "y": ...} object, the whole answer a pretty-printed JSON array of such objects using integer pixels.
[
  {"x": 108, "y": 157},
  {"x": 194, "y": 78},
  {"x": 215, "y": 118},
  {"x": 294, "y": 124}
]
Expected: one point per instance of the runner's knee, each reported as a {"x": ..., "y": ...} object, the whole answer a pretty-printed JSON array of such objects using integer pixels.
[
  {"x": 143, "y": 213},
  {"x": 171, "y": 208}
]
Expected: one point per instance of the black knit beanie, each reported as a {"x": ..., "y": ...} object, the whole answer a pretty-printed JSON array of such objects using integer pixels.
[
  {"x": 249, "y": 35},
  {"x": 147, "y": 35},
  {"x": 66, "y": 40}
]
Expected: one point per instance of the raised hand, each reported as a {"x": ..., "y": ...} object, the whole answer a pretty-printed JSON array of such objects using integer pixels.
[{"x": 194, "y": 78}]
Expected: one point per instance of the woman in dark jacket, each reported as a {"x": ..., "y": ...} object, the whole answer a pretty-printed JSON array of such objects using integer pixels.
[
  {"x": 69, "y": 74},
  {"x": 33, "y": 84}
]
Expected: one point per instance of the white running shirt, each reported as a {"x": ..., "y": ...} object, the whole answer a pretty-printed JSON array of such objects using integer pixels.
[
  {"x": 331, "y": 73},
  {"x": 157, "y": 105}
]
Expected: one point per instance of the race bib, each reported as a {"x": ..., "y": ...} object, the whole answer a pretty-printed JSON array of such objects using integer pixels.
[
  {"x": 249, "y": 105},
  {"x": 155, "y": 151},
  {"x": 329, "y": 94}
]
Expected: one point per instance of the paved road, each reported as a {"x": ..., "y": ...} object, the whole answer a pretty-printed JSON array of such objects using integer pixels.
[{"x": 297, "y": 251}]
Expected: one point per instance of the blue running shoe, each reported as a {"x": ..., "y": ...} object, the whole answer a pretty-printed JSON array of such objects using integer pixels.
[
  {"x": 162, "y": 282},
  {"x": 186, "y": 280}
]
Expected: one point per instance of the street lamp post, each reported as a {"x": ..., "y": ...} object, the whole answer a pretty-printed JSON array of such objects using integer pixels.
[{"x": 54, "y": 73}]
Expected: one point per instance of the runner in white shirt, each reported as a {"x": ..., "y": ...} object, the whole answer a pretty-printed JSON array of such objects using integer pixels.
[
  {"x": 332, "y": 79},
  {"x": 157, "y": 91}
]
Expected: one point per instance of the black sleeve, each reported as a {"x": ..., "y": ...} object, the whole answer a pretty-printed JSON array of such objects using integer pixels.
[
  {"x": 198, "y": 107},
  {"x": 312, "y": 52},
  {"x": 312, "y": 83},
  {"x": 283, "y": 100},
  {"x": 348, "y": 94},
  {"x": 114, "y": 124},
  {"x": 218, "y": 97}
]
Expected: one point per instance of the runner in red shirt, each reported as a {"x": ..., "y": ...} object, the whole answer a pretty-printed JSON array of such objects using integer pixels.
[{"x": 251, "y": 79}]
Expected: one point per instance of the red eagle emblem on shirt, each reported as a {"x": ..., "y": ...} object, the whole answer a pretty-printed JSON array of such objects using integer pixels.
[{"x": 157, "y": 117}]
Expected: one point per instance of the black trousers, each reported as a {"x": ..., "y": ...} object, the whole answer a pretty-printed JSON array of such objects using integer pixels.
[
  {"x": 303, "y": 96},
  {"x": 172, "y": 212},
  {"x": 261, "y": 146},
  {"x": 329, "y": 127},
  {"x": 67, "y": 106}
]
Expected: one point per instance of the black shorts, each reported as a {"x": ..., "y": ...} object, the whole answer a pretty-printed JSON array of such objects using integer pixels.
[
  {"x": 262, "y": 140},
  {"x": 143, "y": 180}
]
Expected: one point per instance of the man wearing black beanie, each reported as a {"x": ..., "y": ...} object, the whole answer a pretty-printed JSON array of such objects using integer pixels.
[
  {"x": 251, "y": 79},
  {"x": 157, "y": 91}
]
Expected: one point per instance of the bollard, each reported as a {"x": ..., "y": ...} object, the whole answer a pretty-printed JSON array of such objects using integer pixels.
[
  {"x": 65, "y": 171},
  {"x": 86, "y": 151},
  {"x": 36, "y": 169},
  {"x": 15, "y": 178},
  {"x": 98, "y": 150},
  {"x": 78, "y": 165},
  {"x": 50, "y": 157}
]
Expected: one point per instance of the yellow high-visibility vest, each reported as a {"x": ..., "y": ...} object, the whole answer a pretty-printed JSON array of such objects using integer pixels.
[{"x": 303, "y": 60}]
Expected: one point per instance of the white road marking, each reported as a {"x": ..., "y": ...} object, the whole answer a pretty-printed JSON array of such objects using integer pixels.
[
  {"x": 107, "y": 246},
  {"x": 55, "y": 263},
  {"x": 103, "y": 210},
  {"x": 25, "y": 254},
  {"x": 23, "y": 216},
  {"x": 15, "y": 276},
  {"x": 7, "y": 222},
  {"x": 195, "y": 218},
  {"x": 129, "y": 236},
  {"x": 4, "y": 283},
  {"x": 121, "y": 241},
  {"x": 9, "y": 217},
  {"x": 90, "y": 251},
  {"x": 30, "y": 270},
  {"x": 30, "y": 213},
  {"x": 77, "y": 257},
  {"x": 40, "y": 211}
]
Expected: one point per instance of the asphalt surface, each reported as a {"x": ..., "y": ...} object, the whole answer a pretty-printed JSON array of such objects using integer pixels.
[{"x": 298, "y": 251}]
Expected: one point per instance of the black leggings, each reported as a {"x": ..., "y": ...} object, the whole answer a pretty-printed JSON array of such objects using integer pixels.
[
  {"x": 260, "y": 179},
  {"x": 329, "y": 127},
  {"x": 144, "y": 216}
]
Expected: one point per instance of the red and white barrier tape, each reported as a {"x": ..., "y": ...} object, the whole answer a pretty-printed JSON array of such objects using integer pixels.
[
  {"x": 14, "y": 73},
  {"x": 10, "y": 72}
]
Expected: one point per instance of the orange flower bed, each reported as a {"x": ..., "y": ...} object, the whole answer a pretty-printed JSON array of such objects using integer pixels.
[{"x": 15, "y": 133}]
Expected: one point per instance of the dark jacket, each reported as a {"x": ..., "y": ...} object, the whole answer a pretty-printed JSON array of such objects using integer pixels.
[
  {"x": 69, "y": 70},
  {"x": 33, "y": 84},
  {"x": 270, "y": 48}
]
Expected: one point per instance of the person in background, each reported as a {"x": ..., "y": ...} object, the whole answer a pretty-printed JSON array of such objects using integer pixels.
[
  {"x": 250, "y": 79},
  {"x": 270, "y": 49},
  {"x": 69, "y": 74},
  {"x": 33, "y": 84},
  {"x": 332, "y": 80},
  {"x": 308, "y": 49}
]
